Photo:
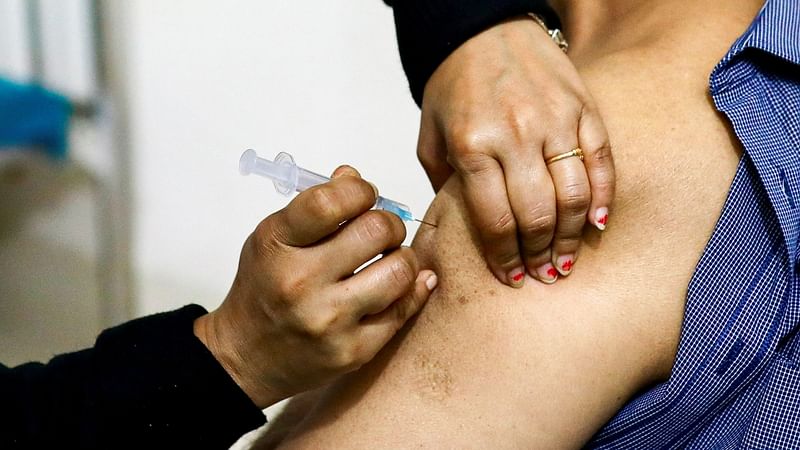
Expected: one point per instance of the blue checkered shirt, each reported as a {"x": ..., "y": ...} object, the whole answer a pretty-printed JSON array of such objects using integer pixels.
[{"x": 736, "y": 378}]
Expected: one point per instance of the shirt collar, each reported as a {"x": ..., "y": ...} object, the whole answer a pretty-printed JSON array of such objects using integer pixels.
[{"x": 775, "y": 30}]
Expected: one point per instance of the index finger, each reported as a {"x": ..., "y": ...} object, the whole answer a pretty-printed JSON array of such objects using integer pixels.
[
  {"x": 318, "y": 212},
  {"x": 486, "y": 198}
]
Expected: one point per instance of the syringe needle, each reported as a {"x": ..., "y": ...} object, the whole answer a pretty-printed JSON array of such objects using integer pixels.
[{"x": 426, "y": 223}]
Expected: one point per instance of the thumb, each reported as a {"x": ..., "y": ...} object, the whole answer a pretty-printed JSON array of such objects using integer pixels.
[{"x": 378, "y": 329}]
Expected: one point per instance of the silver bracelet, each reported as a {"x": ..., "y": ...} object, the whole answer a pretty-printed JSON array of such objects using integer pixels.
[{"x": 555, "y": 34}]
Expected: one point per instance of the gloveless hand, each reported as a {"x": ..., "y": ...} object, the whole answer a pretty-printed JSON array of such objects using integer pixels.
[
  {"x": 297, "y": 316},
  {"x": 494, "y": 111}
]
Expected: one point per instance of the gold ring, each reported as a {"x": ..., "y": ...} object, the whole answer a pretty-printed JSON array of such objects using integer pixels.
[{"x": 574, "y": 152}]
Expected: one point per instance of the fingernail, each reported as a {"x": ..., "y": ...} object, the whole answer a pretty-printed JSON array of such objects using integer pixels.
[
  {"x": 432, "y": 281},
  {"x": 547, "y": 274},
  {"x": 601, "y": 218},
  {"x": 517, "y": 277},
  {"x": 564, "y": 264}
]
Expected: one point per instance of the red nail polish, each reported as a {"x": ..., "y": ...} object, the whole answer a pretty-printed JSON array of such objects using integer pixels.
[
  {"x": 601, "y": 218},
  {"x": 518, "y": 276},
  {"x": 547, "y": 274},
  {"x": 567, "y": 265}
]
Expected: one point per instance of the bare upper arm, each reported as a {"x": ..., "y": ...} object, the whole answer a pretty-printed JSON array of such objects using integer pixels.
[{"x": 485, "y": 365}]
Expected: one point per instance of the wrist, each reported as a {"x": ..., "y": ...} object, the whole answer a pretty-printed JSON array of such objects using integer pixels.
[
  {"x": 428, "y": 31},
  {"x": 555, "y": 33},
  {"x": 211, "y": 330}
]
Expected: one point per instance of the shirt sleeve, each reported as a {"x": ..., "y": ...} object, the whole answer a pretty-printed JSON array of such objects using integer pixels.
[
  {"x": 429, "y": 30},
  {"x": 149, "y": 383}
]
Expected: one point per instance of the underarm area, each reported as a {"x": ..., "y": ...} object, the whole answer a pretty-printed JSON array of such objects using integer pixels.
[{"x": 487, "y": 366}]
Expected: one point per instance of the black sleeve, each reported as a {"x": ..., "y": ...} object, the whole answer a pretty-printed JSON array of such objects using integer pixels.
[
  {"x": 429, "y": 30},
  {"x": 147, "y": 384}
]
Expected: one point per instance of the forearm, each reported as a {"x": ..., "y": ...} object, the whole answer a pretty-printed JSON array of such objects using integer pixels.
[
  {"x": 145, "y": 383},
  {"x": 429, "y": 30}
]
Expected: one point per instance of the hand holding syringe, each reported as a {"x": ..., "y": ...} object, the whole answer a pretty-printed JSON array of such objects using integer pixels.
[
  {"x": 323, "y": 284},
  {"x": 289, "y": 178}
]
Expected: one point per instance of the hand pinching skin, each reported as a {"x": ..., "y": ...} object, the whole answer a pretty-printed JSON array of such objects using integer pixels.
[{"x": 499, "y": 108}]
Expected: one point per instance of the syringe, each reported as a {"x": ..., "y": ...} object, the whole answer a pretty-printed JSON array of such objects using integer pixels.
[{"x": 289, "y": 178}]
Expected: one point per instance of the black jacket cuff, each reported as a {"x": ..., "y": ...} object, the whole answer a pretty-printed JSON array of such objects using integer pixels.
[
  {"x": 170, "y": 384},
  {"x": 429, "y": 30},
  {"x": 149, "y": 383}
]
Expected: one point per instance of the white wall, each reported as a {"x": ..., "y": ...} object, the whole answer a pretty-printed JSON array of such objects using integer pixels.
[
  {"x": 15, "y": 58},
  {"x": 65, "y": 35},
  {"x": 209, "y": 79}
]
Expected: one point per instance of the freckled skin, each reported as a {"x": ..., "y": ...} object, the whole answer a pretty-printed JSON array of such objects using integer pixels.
[
  {"x": 537, "y": 367},
  {"x": 434, "y": 380},
  {"x": 488, "y": 366}
]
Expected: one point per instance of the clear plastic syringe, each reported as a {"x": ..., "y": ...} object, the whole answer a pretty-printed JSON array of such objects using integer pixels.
[{"x": 289, "y": 178}]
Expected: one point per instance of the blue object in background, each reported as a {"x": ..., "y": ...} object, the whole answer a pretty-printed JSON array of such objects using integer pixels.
[{"x": 32, "y": 116}]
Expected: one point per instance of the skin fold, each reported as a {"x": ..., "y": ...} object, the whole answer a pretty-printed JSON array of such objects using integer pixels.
[{"x": 545, "y": 366}]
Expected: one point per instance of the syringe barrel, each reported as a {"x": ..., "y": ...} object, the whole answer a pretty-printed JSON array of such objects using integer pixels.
[
  {"x": 289, "y": 177},
  {"x": 307, "y": 179},
  {"x": 402, "y": 211}
]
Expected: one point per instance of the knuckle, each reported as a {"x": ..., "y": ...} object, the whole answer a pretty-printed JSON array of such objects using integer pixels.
[
  {"x": 604, "y": 186},
  {"x": 401, "y": 313},
  {"x": 292, "y": 286},
  {"x": 539, "y": 225},
  {"x": 465, "y": 138},
  {"x": 600, "y": 151},
  {"x": 402, "y": 272},
  {"x": 506, "y": 258},
  {"x": 324, "y": 203},
  {"x": 565, "y": 107},
  {"x": 378, "y": 226},
  {"x": 426, "y": 155},
  {"x": 567, "y": 244},
  {"x": 264, "y": 238},
  {"x": 501, "y": 227},
  {"x": 574, "y": 198},
  {"x": 319, "y": 324},
  {"x": 470, "y": 163},
  {"x": 468, "y": 146},
  {"x": 260, "y": 239},
  {"x": 534, "y": 245},
  {"x": 345, "y": 358},
  {"x": 360, "y": 189},
  {"x": 522, "y": 124}
]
